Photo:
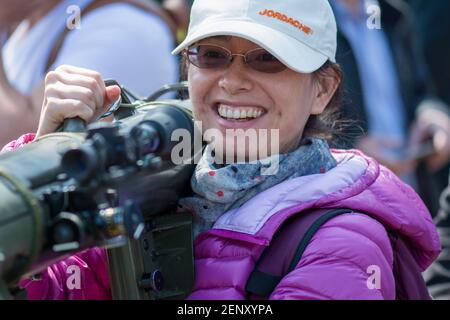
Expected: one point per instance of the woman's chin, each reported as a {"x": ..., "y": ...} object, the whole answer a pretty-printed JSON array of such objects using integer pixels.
[
  {"x": 234, "y": 157},
  {"x": 228, "y": 152}
]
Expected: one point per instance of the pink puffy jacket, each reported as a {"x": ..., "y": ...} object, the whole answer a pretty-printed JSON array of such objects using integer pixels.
[{"x": 335, "y": 264}]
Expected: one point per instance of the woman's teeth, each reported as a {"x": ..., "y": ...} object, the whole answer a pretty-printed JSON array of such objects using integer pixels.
[{"x": 237, "y": 113}]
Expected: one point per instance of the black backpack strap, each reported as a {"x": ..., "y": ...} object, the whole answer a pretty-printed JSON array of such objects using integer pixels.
[{"x": 286, "y": 249}]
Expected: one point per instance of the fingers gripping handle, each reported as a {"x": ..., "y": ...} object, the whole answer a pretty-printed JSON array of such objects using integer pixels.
[{"x": 79, "y": 125}]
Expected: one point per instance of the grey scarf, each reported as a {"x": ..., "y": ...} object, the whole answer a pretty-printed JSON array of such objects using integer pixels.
[{"x": 218, "y": 190}]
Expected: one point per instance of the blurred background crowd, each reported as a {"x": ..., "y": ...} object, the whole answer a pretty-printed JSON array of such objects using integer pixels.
[{"x": 395, "y": 55}]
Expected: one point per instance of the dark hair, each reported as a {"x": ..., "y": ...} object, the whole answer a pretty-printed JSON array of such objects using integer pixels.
[{"x": 328, "y": 125}]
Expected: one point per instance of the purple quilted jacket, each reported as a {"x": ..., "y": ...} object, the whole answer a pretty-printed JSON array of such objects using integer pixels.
[{"x": 337, "y": 264}]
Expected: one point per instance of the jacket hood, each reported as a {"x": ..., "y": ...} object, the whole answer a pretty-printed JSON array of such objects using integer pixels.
[{"x": 358, "y": 183}]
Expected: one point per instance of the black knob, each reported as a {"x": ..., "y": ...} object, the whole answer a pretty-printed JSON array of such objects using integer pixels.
[{"x": 154, "y": 281}]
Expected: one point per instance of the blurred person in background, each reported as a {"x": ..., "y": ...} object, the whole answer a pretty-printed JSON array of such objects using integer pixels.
[
  {"x": 434, "y": 30},
  {"x": 121, "y": 40},
  {"x": 388, "y": 93},
  {"x": 432, "y": 19},
  {"x": 179, "y": 11}
]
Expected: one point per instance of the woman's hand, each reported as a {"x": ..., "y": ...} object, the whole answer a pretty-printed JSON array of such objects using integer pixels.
[{"x": 72, "y": 92}]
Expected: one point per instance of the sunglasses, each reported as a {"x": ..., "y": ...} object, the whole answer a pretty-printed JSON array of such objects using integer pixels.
[{"x": 216, "y": 57}]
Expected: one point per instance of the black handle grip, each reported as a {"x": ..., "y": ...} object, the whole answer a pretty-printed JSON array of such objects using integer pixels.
[{"x": 74, "y": 125}]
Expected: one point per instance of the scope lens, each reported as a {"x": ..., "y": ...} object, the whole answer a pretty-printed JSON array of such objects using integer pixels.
[{"x": 79, "y": 164}]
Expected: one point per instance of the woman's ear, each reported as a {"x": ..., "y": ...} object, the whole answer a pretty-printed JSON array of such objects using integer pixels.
[{"x": 325, "y": 83}]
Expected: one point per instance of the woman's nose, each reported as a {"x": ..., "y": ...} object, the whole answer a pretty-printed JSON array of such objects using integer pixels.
[{"x": 235, "y": 78}]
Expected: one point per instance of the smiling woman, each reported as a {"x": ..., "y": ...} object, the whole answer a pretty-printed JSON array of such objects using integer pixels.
[
  {"x": 277, "y": 97},
  {"x": 248, "y": 71},
  {"x": 214, "y": 54}
]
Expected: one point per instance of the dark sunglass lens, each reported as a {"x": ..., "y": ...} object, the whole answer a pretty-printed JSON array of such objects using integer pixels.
[
  {"x": 263, "y": 61},
  {"x": 204, "y": 56}
]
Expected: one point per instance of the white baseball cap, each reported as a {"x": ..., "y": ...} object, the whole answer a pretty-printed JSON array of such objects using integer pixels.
[{"x": 300, "y": 33}]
